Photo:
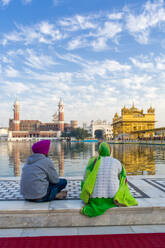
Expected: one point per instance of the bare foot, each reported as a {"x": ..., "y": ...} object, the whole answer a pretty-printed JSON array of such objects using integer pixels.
[
  {"x": 61, "y": 195},
  {"x": 119, "y": 204},
  {"x": 81, "y": 210}
]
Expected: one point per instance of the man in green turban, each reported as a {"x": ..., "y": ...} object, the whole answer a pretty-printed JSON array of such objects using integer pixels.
[{"x": 105, "y": 184}]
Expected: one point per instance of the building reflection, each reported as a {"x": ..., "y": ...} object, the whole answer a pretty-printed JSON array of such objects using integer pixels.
[
  {"x": 137, "y": 159},
  {"x": 61, "y": 161},
  {"x": 17, "y": 162},
  {"x": 93, "y": 148},
  {"x": 18, "y": 153}
]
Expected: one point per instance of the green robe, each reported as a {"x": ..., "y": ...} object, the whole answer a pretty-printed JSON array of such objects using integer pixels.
[{"x": 97, "y": 206}]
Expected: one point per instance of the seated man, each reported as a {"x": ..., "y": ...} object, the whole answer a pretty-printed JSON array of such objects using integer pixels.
[
  {"x": 39, "y": 179},
  {"x": 105, "y": 184}
]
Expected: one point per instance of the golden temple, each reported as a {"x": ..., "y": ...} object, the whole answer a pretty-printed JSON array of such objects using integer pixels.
[{"x": 131, "y": 121}]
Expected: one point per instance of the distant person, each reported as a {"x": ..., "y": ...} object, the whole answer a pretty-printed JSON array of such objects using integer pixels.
[
  {"x": 39, "y": 178},
  {"x": 105, "y": 184}
]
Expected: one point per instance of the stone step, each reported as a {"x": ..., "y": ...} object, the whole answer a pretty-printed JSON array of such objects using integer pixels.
[{"x": 66, "y": 213}]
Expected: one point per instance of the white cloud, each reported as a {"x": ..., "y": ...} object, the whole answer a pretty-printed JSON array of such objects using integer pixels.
[
  {"x": 13, "y": 37},
  {"x": 43, "y": 32},
  {"x": 78, "y": 22},
  {"x": 6, "y": 60},
  {"x": 72, "y": 58},
  {"x": 103, "y": 69},
  {"x": 95, "y": 32},
  {"x": 13, "y": 53},
  {"x": 59, "y": 80},
  {"x": 140, "y": 25},
  {"x": 5, "y": 2},
  {"x": 142, "y": 37},
  {"x": 38, "y": 61},
  {"x": 160, "y": 62},
  {"x": 109, "y": 30},
  {"x": 98, "y": 39},
  {"x": 11, "y": 72},
  {"x": 76, "y": 43},
  {"x": 99, "y": 44},
  {"x": 84, "y": 22},
  {"x": 115, "y": 16},
  {"x": 46, "y": 28},
  {"x": 142, "y": 64},
  {"x": 13, "y": 88},
  {"x": 136, "y": 83},
  {"x": 151, "y": 64},
  {"x": 151, "y": 92}
]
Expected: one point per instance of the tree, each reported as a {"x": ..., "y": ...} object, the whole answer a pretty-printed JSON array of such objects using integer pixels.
[
  {"x": 65, "y": 134},
  {"x": 80, "y": 133}
]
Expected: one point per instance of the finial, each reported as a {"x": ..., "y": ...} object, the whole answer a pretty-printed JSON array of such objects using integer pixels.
[
  {"x": 61, "y": 101},
  {"x": 16, "y": 100}
]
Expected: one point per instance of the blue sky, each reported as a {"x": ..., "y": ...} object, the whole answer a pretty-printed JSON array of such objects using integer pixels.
[{"x": 98, "y": 55}]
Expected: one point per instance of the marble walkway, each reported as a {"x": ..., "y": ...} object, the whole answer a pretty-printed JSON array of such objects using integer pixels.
[
  {"x": 148, "y": 188},
  {"x": 63, "y": 218},
  {"x": 10, "y": 188}
]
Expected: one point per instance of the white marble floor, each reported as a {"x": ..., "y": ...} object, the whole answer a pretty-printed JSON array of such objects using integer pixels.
[
  {"x": 148, "y": 190},
  {"x": 141, "y": 187}
]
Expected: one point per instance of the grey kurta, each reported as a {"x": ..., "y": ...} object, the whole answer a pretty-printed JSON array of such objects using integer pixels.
[{"x": 36, "y": 175}]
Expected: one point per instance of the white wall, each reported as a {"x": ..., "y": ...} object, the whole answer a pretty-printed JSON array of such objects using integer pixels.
[{"x": 3, "y": 131}]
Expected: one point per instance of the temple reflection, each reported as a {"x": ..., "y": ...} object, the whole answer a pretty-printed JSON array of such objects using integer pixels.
[{"x": 137, "y": 159}]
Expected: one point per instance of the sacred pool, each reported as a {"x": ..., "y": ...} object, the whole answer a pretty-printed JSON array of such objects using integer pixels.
[{"x": 70, "y": 159}]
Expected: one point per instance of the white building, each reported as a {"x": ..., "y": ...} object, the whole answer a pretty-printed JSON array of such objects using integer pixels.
[
  {"x": 3, "y": 133},
  {"x": 102, "y": 127}
]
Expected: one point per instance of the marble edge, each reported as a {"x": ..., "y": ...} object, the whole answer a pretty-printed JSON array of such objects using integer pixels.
[
  {"x": 80, "y": 178},
  {"x": 18, "y": 178},
  {"x": 117, "y": 210}
]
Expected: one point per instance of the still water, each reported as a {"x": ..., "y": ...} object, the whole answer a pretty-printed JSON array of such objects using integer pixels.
[{"x": 70, "y": 159}]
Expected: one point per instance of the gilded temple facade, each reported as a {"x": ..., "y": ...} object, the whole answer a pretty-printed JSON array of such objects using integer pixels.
[{"x": 131, "y": 121}]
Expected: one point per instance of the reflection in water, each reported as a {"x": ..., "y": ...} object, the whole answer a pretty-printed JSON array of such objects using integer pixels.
[
  {"x": 70, "y": 159},
  {"x": 137, "y": 159},
  {"x": 16, "y": 162},
  {"x": 17, "y": 152},
  {"x": 60, "y": 157}
]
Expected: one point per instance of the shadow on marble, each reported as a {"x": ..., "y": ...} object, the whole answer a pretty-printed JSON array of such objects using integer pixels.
[
  {"x": 66, "y": 204},
  {"x": 148, "y": 228},
  {"x": 11, "y": 232},
  {"x": 23, "y": 205},
  {"x": 104, "y": 230},
  {"x": 32, "y": 232}
]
